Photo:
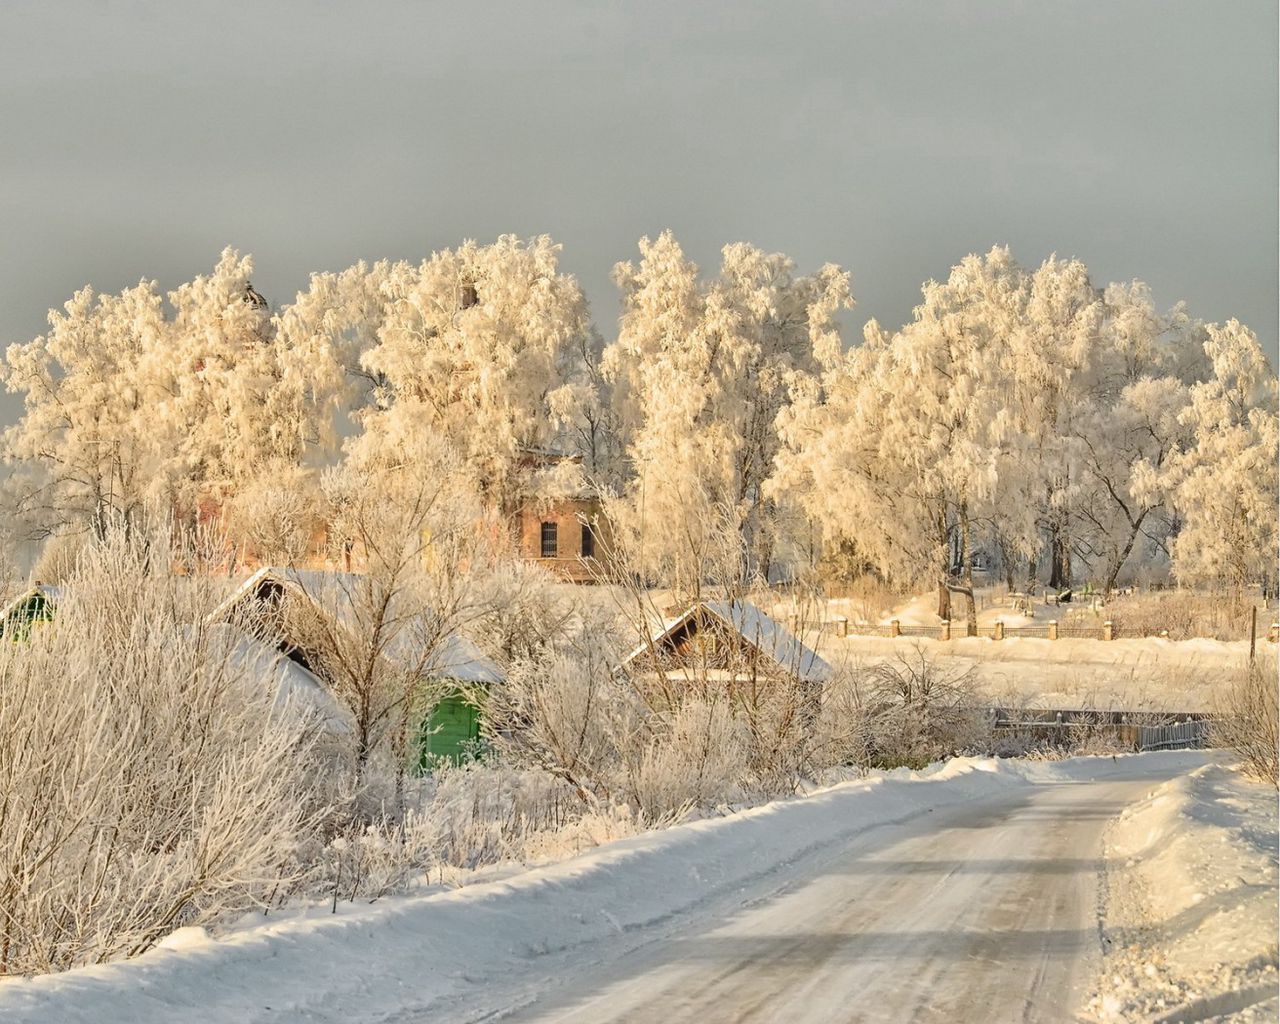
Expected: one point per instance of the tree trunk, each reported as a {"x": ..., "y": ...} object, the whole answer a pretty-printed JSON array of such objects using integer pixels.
[
  {"x": 1060, "y": 558},
  {"x": 1006, "y": 563},
  {"x": 1122, "y": 556},
  {"x": 944, "y": 554},
  {"x": 966, "y": 571}
]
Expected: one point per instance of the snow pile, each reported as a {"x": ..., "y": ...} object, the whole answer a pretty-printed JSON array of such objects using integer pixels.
[
  {"x": 1190, "y": 904},
  {"x": 431, "y": 951}
]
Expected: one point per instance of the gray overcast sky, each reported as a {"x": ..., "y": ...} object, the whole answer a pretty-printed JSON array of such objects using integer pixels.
[{"x": 137, "y": 139}]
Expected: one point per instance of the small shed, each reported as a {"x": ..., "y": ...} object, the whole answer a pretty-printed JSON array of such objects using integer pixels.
[
  {"x": 730, "y": 637},
  {"x": 35, "y": 604},
  {"x": 452, "y": 728}
]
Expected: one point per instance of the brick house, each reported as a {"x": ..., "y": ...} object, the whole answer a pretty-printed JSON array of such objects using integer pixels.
[{"x": 569, "y": 536}]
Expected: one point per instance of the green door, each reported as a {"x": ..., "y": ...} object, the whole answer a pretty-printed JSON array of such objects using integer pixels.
[
  {"x": 36, "y": 608},
  {"x": 452, "y": 725}
]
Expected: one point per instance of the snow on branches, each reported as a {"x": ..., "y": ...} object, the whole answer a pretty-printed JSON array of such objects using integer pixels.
[{"x": 1051, "y": 425}]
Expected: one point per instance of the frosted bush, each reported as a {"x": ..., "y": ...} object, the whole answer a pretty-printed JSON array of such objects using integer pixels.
[
  {"x": 1248, "y": 718},
  {"x": 150, "y": 782},
  {"x": 699, "y": 761}
]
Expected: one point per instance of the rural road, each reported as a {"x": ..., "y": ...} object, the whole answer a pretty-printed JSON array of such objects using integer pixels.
[{"x": 981, "y": 912}]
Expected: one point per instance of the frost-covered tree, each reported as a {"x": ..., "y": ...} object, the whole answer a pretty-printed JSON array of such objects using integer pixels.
[
  {"x": 219, "y": 377},
  {"x": 1054, "y": 339},
  {"x": 1224, "y": 487},
  {"x": 321, "y": 339},
  {"x": 1125, "y": 425},
  {"x": 406, "y": 520},
  {"x": 896, "y": 451},
  {"x": 84, "y": 447},
  {"x": 700, "y": 371},
  {"x": 482, "y": 346}
]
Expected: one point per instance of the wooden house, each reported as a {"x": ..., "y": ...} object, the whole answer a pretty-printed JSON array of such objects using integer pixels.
[
  {"x": 727, "y": 640},
  {"x": 454, "y": 720}
]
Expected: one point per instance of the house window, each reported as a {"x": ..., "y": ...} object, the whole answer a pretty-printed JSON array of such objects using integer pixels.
[
  {"x": 588, "y": 541},
  {"x": 548, "y": 540}
]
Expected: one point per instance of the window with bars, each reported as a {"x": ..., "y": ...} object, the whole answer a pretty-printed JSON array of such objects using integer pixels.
[{"x": 549, "y": 545}]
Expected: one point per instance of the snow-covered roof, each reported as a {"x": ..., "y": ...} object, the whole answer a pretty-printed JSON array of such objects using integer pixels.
[
  {"x": 337, "y": 593},
  {"x": 293, "y": 686},
  {"x": 756, "y": 628}
]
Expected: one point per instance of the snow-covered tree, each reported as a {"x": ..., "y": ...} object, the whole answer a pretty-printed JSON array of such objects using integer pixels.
[
  {"x": 896, "y": 452},
  {"x": 1225, "y": 486},
  {"x": 321, "y": 339},
  {"x": 219, "y": 377},
  {"x": 700, "y": 371},
  {"x": 481, "y": 345},
  {"x": 84, "y": 447}
]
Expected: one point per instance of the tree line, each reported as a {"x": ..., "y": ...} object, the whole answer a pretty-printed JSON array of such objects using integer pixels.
[{"x": 1062, "y": 429}]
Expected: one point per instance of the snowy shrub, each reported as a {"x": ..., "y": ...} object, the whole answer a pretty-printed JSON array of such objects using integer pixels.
[
  {"x": 1183, "y": 614},
  {"x": 1248, "y": 719},
  {"x": 919, "y": 711},
  {"x": 150, "y": 782},
  {"x": 460, "y": 819},
  {"x": 698, "y": 759},
  {"x": 524, "y": 609}
]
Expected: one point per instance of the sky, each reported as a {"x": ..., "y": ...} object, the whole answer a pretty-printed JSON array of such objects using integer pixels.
[{"x": 137, "y": 139}]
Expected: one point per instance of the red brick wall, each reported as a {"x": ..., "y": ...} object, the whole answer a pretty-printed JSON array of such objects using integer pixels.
[{"x": 568, "y": 516}]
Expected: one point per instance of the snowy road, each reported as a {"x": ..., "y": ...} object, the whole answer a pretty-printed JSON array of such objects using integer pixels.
[
  {"x": 985, "y": 912},
  {"x": 965, "y": 893}
]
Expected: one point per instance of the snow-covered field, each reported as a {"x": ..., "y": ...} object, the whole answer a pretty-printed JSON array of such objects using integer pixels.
[
  {"x": 975, "y": 871},
  {"x": 1145, "y": 674}
]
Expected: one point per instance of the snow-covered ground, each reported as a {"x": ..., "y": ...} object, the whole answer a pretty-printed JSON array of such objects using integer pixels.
[
  {"x": 1144, "y": 674},
  {"x": 1190, "y": 904},
  {"x": 928, "y": 882}
]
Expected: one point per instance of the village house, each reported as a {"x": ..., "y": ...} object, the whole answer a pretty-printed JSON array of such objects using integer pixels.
[
  {"x": 35, "y": 604},
  {"x": 456, "y": 664},
  {"x": 731, "y": 641},
  {"x": 564, "y": 529}
]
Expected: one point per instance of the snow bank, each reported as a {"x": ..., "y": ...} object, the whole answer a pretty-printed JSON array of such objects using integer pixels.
[
  {"x": 429, "y": 951},
  {"x": 1191, "y": 904}
]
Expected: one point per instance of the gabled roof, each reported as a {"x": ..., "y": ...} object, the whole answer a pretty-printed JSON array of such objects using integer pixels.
[
  {"x": 754, "y": 627},
  {"x": 292, "y": 686},
  {"x": 335, "y": 593}
]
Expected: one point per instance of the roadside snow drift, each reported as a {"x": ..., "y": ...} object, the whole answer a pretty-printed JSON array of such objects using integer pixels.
[
  {"x": 1190, "y": 904},
  {"x": 407, "y": 956}
]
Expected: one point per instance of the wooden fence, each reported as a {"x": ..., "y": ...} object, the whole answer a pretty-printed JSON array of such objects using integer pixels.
[
  {"x": 1135, "y": 730},
  {"x": 841, "y": 626}
]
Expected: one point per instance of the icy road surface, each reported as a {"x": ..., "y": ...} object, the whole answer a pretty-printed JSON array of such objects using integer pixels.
[{"x": 982, "y": 912}]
